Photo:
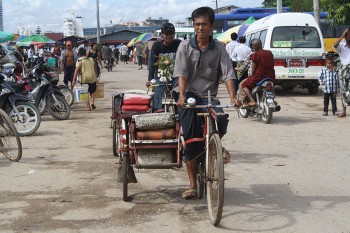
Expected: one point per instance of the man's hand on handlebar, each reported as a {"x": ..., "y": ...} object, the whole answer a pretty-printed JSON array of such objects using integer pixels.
[
  {"x": 182, "y": 100},
  {"x": 236, "y": 102}
]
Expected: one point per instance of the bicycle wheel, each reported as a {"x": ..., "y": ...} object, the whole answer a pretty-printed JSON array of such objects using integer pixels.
[
  {"x": 215, "y": 179},
  {"x": 125, "y": 168},
  {"x": 10, "y": 143}
]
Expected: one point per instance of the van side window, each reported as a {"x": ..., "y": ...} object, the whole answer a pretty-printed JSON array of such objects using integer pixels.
[
  {"x": 247, "y": 37},
  {"x": 263, "y": 37}
]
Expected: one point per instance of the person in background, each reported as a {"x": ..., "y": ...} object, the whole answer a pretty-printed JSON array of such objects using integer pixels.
[
  {"x": 95, "y": 54},
  {"x": 329, "y": 80},
  {"x": 86, "y": 67},
  {"x": 124, "y": 52},
  {"x": 230, "y": 48},
  {"x": 262, "y": 67},
  {"x": 30, "y": 55},
  {"x": 139, "y": 54},
  {"x": 242, "y": 52},
  {"x": 68, "y": 57},
  {"x": 116, "y": 54},
  {"x": 166, "y": 47},
  {"x": 85, "y": 45},
  {"x": 41, "y": 53},
  {"x": 343, "y": 49}
]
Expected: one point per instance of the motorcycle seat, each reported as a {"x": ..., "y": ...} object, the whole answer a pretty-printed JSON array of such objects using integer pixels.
[{"x": 264, "y": 80}]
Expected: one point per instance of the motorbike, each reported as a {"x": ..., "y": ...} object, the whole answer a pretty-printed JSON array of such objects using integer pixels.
[
  {"x": 17, "y": 72},
  {"x": 47, "y": 96},
  {"x": 25, "y": 115},
  {"x": 264, "y": 97},
  {"x": 109, "y": 64}
]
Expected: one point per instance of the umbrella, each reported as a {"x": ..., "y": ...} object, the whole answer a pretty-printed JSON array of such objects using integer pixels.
[
  {"x": 131, "y": 42},
  {"x": 144, "y": 37},
  {"x": 226, "y": 36},
  {"x": 240, "y": 30},
  {"x": 4, "y": 36},
  {"x": 35, "y": 40}
]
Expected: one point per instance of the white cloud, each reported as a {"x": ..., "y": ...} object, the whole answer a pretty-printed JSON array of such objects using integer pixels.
[{"x": 24, "y": 12}]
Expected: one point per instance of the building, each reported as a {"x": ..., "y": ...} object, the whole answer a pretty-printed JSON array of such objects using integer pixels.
[
  {"x": 1, "y": 17},
  {"x": 73, "y": 27},
  {"x": 117, "y": 37},
  {"x": 92, "y": 32}
]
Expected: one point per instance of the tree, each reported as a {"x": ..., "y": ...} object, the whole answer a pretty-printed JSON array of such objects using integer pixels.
[
  {"x": 295, "y": 5},
  {"x": 338, "y": 10}
]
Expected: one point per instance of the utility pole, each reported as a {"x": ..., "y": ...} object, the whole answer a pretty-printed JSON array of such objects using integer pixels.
[
  {"x": 317, "y": 11},
  {"x": 217, "y": 9},
  {"x": 279, "y": 6},
  {"x": 98, "y": 20}
]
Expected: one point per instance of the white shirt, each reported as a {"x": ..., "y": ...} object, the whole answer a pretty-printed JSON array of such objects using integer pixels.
[
  {"x": 30, "y": 53},
  {"x": 242, "y": 52},
  {"x": 124, "y": 50},
  {"x": 230, "y": 47},
  {"x": 344, "y": 53},
  {"x": 41, "y": 52}
]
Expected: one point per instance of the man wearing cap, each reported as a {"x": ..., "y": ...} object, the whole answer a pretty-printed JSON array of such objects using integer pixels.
[
  {"x": 69, "y": 58},
  {"x": 85, "y": 45},
  {"x": 168, "y": 47}
]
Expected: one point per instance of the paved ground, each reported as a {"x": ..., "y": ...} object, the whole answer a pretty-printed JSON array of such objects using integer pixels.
[{"x": 289, "y": 176}]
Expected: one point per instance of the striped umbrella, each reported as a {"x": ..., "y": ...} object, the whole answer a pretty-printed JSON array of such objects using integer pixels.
[
  {"x": 144, "y": 37},
  {"x": 35, "y": 40},
  {"x": 5, "y": 36}
]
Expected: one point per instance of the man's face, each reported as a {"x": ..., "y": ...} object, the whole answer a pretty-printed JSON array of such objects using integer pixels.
[
  {"x": 168, "y": 36},
  {"x": 202, "y": 27}
]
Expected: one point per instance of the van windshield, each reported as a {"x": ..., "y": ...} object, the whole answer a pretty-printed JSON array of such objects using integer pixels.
[{"x": 295, "y": 37}]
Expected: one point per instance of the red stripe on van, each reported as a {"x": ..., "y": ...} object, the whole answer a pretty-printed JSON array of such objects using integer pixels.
[
  {"x": 315, "y": 62},
  {"x": 280, "y": 62}
]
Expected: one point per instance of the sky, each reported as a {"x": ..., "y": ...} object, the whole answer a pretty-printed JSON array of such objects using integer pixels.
[{"x": 49, "y": 12}]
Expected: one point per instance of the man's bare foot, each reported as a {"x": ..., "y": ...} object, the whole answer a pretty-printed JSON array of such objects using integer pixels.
[{"x": 251, "y": 103}]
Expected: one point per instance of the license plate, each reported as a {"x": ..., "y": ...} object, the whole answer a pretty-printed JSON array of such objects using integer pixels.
[
  {"x": 269, "y": 95},
  {"x": 296, "y": 63}
]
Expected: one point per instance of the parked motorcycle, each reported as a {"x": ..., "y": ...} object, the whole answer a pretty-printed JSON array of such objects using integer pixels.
[
  {"x": 47, "y": 96},
  {"x": 17, "y": 72},
  {"x": 25, "y": 115},
  {"x": 264, "y": 97}
]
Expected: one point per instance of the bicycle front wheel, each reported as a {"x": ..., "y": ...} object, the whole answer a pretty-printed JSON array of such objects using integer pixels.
[
  {"x": 10, "y": 143},
  {"x": 215, "y": 179}
]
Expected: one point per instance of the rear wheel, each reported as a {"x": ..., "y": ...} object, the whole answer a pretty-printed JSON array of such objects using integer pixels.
[
  {"x": 10, "y": 143},
  {"x": 28, "y": 119},
  {"x": 266, "y": 116},
  {"x": 125, "y": 168},
  {"x": 68, "y": 95},
  {"x": 313, "y": 90},
  {"x": 58, "y": 108},
  {"x": 243, "y": 112},
  {"x": 215, "y": 179}
]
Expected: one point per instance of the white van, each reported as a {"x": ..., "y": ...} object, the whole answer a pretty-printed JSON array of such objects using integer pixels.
[{"x": 296, "y": 42}]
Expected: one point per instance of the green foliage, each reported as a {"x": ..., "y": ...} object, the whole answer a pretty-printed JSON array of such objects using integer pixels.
[
  {"x": 338, "y": 10},
  {"x": 295, "y": 5}
]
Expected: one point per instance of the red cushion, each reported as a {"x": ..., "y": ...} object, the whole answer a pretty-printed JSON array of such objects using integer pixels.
[
  {"x": 135, "y": 108},
  {"x": 136, "y": 101}
]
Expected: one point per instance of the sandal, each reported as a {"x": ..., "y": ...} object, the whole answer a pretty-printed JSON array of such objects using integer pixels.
[
  {"x": 189, "y": 194},
  {"x": 226, "y": 155}
]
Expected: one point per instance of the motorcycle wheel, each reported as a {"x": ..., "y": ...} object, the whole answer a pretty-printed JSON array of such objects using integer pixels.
[
  {"x": 59, "y": 109},
  {"x": 266, "y": 116},
  {"x": 244, "y": 112},
  {"x": 68, "y": 95},
  {"x": 29, "y": 118},
  {"x": 42, "y": 106}
]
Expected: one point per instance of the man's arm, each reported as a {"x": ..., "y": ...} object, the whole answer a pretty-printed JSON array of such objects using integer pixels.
[
  {"x": 153, "y": 54},
  {"x": 182, "y": 88},
  {"x": 76, "y": 72},
  {"x": 336, "y": 43},
  {"x": 231, "y": 91}
]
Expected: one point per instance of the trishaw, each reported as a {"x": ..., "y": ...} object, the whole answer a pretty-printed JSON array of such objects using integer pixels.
[{"x": 147, "y": 140}]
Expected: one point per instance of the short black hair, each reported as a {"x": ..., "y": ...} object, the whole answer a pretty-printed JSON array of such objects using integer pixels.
[
  {"x": 204, "y": 11},
  {"x": 234, "y": 36},
  {"x": 242, "y": 39},
  {"x": 82, "y": 52}
]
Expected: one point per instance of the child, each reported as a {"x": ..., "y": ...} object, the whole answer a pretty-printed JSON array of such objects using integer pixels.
[{"x": 329, "y": 80}]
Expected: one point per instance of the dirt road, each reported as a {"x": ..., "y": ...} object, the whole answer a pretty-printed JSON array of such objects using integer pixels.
[{"x": 289, "y": 176}]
